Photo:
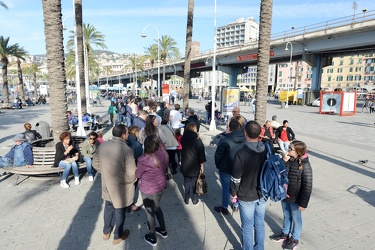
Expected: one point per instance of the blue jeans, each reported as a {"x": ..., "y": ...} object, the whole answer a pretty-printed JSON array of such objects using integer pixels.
[
  {"x": 114, "y": 218},
  {"x": 284, "y": 145},
  {"x": 128, "y": 121},
  {"x": 67, "y": 167},
  {"x": 225, "y": 187},
  {"x": 252, "y": 222},
  {"x": 88, "y": 161},
  {"x": 292, "y": 216},
  {"x": 5, "y": 162}
]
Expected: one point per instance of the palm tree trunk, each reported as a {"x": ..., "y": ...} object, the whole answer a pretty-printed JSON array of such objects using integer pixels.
[
  {"x": 53, "y": 32},
  {"x": 189, "y": 35},
  {"x": 81, "y": 58},
  {"x": 20, "y": 79},
  {"x": 263, "y": 60},
  {"x": 35, "y": 87},
  {"x": 4, "y": 72}
]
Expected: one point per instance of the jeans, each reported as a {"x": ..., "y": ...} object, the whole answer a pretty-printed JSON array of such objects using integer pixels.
[
  {"x": 284, "y": 145},
  {"x": 252, "y": 222},
  {"x": 128, "y": 121},
  {"x": 152, "y": 207},
  {"x": 88, "y": 161},
  {"x": 225, "y": 187},
  {"x": 292, "y": 216},
  {"x": 189, "y": 185},
  {"x": 5, "y": 162},
  {"x": 172, "y": 159},
  {"x": 113, "y": 214},
  {"x": 67, "y": 167}
]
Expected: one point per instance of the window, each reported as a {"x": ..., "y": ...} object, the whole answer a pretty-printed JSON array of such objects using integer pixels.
[
  {"x": 280, "y": 73},
  {"x": 339, "y": 78},
  {"x": 350, "y": 69},
  {"x": 341, "y": 63},
  {"x": 339, "y": 70},
  {"x": 351, "y": 62},
  {"x": 329, "y": 78},
  {"x": 349, "y": 78}
]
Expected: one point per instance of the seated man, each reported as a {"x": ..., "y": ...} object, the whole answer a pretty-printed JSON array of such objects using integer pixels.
[
  {"x": 19, "y": 155},
  {"x": 275, "y": 124},
  {"x": 285, "y": 136},
  {"x": 267, "y": 135}
]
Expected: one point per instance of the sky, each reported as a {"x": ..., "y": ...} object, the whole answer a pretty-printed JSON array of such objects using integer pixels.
[{"x": 122, "y": 22}]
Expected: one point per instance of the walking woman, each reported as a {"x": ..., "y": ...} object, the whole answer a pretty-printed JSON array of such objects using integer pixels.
[
  {"x": 66, "y": 157},
  {"x": 299, "y": 191},
  {"x": 151, "y": 129},
  {"x": 193, "y": 157},
  {"x": 150, "y": 171}
]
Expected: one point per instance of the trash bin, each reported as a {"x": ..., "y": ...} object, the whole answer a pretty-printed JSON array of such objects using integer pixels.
[{"x": 282, "y": 105}]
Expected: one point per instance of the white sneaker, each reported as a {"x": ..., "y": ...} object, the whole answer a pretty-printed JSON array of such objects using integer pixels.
[
  {"x": 91, "y": 178},
  {"x": 64, "y": 184},
  {"x": 76, "y": 180}
]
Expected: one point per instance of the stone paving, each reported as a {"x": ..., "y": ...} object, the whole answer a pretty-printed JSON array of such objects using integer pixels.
[{"x": 39, "y": 214}]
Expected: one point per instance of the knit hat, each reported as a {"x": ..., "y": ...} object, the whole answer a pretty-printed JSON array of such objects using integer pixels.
[{"x": 19, "y": 137}]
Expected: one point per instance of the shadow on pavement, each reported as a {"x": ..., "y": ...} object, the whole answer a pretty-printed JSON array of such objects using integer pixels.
[
  {"x": 343, "y": 164},
  {"x": 365, "y": 193}
]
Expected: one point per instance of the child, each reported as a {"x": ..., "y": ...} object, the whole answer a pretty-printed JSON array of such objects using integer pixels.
[
  {"x": 179, "y": 148},
  {"x": 298, "y": 196},
  {"x": 100, "y": 137}
]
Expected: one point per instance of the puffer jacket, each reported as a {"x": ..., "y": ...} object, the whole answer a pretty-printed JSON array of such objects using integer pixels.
[
  {"x": 300, "y": 182},
  {"x": 192, "y": 154},
  {"x": 226, "y": 150}
]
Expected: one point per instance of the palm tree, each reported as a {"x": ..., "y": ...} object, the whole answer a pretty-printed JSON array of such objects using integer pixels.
[
  {"x": 135, "y": 64},
  {"x": 263, "y": 60},
  {"x": 34, "y": 69},
  {"x": 168, "y": 50},
  {"x": 3, "y": 4},
  {"x": 7, "y": 50},
  {"x": 21, "y": 56},
  {"x": 151, "y": 53},
  {"x": 189, "y": 35},
  {"x": 80, "y": 52},
  {"x": 53, "y": 32}
]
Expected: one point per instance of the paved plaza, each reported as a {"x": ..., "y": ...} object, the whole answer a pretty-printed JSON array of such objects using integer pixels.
[{"x": 39, "y": 214}]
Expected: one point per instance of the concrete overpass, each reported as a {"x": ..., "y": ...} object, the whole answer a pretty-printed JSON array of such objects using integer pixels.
[{"x": 316, "y": 44}]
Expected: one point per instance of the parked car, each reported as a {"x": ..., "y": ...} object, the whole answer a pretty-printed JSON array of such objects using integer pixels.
[{"x": 316, "y": 103}]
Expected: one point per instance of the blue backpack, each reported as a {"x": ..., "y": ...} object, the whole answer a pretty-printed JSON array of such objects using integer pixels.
[{"x": 273, "y": 177}]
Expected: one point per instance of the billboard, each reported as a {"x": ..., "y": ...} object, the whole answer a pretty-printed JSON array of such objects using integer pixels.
[{"x": 230, "y": 99}]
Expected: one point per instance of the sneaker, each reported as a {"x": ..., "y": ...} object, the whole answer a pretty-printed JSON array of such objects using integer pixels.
[
  {"x": 222, "y": 210},
  {"x": 151, "y": 240},
  {"x": 195, "y": 202},
  {"x": 108, "y": 235},
  {"x": 124, "y": 235},
  {"x": 235, "y": 209},
  {"x": 290, "y": 244},
  {"x": 279, "y": 237},
  {"x": 186, "y": 201},
  {"x": 64, "y": 184},
  {"x": 76, "y": 181},
  {"x": 91, "y": 178},
  {"x": 163, "y": 234}
]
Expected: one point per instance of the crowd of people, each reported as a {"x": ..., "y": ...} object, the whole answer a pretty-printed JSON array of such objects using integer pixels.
[{"x": 150, "y": 142}]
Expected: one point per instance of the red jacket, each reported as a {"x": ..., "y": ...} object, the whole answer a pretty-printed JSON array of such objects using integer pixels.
[{"x": 264, "y": 130}]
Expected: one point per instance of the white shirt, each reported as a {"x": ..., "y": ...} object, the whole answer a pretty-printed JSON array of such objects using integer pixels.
[{"x": 176, "y": 118}]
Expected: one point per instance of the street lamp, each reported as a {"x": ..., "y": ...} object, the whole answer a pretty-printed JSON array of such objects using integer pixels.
[
  {"x": 213, "y": 94},
  {"x": 80, "y": 129},
  {"x": 144, "y": 36},
  {"x": 135, "y": 70},
  {"x": 87, "y": 87},
  {"x": 290, "y": 75}
]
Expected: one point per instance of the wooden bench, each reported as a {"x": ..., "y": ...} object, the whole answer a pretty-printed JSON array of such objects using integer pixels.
[{"x": 44, "y": 158}]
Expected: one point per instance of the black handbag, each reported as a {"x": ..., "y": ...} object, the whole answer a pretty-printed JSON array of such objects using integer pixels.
[{"x": 201, "y": 185}]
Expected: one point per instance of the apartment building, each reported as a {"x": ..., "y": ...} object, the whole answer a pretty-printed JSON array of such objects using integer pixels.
[
  {"x": 297, "y": 75},
  {"x": 238, "y": 32}
]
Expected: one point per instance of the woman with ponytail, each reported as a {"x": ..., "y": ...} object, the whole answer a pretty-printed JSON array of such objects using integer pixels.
[{"x": 298, "y": 194}]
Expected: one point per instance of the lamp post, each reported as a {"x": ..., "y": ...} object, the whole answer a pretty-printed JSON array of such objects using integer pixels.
[
  {"x": 87, "y": 87},
  {"x": 290, "y": 75},
  {"x": 144, "y": 36},
  {"x": 213, "y": 94},
  {"x": 135, "y": 69}
]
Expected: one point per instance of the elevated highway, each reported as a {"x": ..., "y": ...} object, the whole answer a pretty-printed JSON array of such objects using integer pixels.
[{"x": 316, "y": 44}]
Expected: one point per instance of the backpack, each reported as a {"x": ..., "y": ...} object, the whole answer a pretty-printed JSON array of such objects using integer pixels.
[{"x": 273, "y": 177}]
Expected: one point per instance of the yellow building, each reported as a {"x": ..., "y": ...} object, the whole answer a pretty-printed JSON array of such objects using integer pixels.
[{"x": 349, "y": 71}]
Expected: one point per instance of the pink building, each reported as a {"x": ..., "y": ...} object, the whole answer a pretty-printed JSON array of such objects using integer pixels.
[{"x": 301, "y": 76}]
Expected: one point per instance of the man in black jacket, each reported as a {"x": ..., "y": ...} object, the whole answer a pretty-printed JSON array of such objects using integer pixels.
[
  {"x": 245, "y": 184},
  {"x": 224, "y": 158},
  {"x": 192, "y": 118}
]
